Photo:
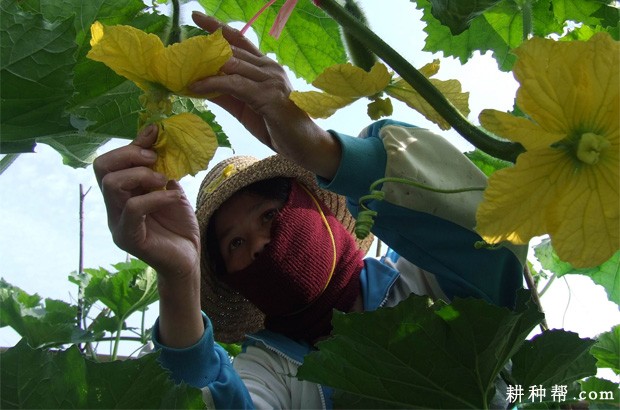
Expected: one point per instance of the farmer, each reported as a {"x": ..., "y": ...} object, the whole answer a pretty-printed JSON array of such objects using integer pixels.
[{"x": 269, "y": 252}]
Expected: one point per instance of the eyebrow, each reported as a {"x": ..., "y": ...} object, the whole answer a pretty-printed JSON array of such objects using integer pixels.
[{"x": 251, "y": 209}]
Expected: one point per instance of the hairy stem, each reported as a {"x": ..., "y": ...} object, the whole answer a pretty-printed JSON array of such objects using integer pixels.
[
  {"x": 175, "y": 29},
  {"x": 479, "y": 138}
]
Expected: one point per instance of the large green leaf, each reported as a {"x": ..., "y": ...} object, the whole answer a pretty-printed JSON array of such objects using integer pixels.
[
  {"x": 40, "y": 379},
  {"x": 39, "y": 323},
  {"x": 419, "y": 354},
  {"x": 607, "y": 350},
  {"x": 310, "y": 41},
  {"x": 554, "y": 357},
  {"x": 36, "y": 66},
  {"x": 132, "y": 288},
  {"x": 90, "y": 104},
  {"x": 600, "y": 393},
  {"x": 498, "y": 29},
  {"x": 607, "y": 275}
]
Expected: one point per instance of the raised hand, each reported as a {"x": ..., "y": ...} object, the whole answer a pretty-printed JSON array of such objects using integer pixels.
[
  {"x": 255, "y": 90},
  {"x": 158, "y": 226}
]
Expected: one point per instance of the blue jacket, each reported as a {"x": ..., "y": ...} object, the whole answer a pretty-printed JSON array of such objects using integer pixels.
[{"x": 433, "y": 234}]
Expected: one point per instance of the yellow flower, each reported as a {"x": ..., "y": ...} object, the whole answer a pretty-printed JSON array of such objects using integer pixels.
[
  {"x": 185, "y": 143},
  {"x": 567, "y": 182},
  {"x": 143, "y": 58},
  {"x": 343, "y": 84}
]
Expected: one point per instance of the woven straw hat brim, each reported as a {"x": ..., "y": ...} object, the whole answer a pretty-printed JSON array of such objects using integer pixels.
[{"x": 233, "y": 316}]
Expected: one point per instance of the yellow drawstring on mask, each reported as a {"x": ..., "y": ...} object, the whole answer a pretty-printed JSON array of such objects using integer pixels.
[{"x": 331, "y": 236}]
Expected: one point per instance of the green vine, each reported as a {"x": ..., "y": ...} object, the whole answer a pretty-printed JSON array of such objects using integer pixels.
[
  {"x": 479, "y": 138},
  {"x": 365, "y": 218}
]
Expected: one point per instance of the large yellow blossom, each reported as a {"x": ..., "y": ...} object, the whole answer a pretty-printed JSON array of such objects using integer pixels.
[
  {"x": 343, "y": 84},
  {"x": 186, "y": 143},
  {"x": 567, "y": 182}
]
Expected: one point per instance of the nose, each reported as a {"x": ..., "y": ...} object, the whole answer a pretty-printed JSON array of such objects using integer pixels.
[{"x": 261, "y": 240}]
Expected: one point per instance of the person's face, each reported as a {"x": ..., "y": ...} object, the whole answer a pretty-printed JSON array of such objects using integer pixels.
[{"x": 243, "y": 228}]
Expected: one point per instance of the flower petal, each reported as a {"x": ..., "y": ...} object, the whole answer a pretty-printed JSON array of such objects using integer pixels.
[
  {"x": 517, "y": 199},
  {"x": 451, "y": 89},
  {"x": 566, "y": 85},
  {"x": 584, "y": 219},
  {"x": 185, "y": 145},
  {"x": 347, "y": 80},
  {"x": 181, "y": 64},
  {"x": 126, "y": 50},
  {"x": 518, "y": 129},
  {"x": 318, "y": 104}
]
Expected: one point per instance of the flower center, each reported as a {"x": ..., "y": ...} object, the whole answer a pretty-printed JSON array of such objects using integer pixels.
[{"x": 590, "y": 147}]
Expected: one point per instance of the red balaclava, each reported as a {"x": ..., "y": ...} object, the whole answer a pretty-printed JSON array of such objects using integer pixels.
[{"x": 310, "y": 267}]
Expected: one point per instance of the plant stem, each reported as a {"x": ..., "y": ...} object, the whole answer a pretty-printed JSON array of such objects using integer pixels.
[
  {"x": 175, "y": 29},
  {"x": 117, "y": 339},
  {"x": 500, "y": 149},
  {"x": 81, "y": 315},
  {"x": 547, "y": 285},
  {"x": 529, "y": 280},
  {"x": 6, "y": 161},
  {"x": 526, "y": 11}
]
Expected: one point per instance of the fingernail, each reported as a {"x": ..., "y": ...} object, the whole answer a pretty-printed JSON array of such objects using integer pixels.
[
  {"x": 148, "y": 154},
  {"x": 148, "y": 130}
]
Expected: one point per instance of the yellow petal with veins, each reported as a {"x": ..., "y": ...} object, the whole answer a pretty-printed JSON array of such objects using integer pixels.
[
  {"x": 318, "y": 104},
  {"x": 347, "y": 80},
  {"x": 181, "y": 64},
  {"x": 185, "y": 145},
  {"x": 126, "y": 50}
]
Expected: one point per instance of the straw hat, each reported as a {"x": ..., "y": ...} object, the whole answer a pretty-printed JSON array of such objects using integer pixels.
[{"x": 231, "y": 314}]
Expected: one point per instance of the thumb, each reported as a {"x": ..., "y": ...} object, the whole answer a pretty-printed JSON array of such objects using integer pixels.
[{"x": 146, "y": 136}]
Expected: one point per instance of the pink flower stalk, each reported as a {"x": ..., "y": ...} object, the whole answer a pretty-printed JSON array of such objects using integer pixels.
[{"x": 281, "y": 18}]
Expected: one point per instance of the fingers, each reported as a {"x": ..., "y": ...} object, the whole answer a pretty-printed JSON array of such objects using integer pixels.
[
  {"x": 130, "y": 232},
  {"x": 119, "y": 187},
  {"x": 233, "y": 36},
  {"x": 136, "y": 154}
]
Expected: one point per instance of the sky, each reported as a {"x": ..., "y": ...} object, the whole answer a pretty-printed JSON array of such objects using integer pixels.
[{"x": 39, "y": 196}]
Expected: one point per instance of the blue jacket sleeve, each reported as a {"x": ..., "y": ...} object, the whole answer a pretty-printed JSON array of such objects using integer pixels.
[
  {"x": 427, "y": 235},
  {"x": 205, "y": 365}
]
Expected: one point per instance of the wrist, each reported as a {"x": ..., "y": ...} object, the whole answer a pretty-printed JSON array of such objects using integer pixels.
[{"x": 180, "y": 316}]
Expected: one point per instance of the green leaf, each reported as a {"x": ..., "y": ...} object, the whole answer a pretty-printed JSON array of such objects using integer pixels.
[
  {"x": 485, "y": 162},
  {"x": 52, "y": 322},
  {"x": 457, "y": 15},
  {"x": 607, "y": 350},
  {"x": 580, "y": 11},
  {"x": 498, "y": 29},
  {"x": 420, "y": 355},
  {"x": 554, "y": 357},
  {"x": 66, "y": 380},
  {"x": 95, "y": 105},
  {"x": 132, "y": 288},
  {"x": 607, "y": 275},
  {"x": 36, "y": 66},
  {"x": 600, "y": 393},
  {"x": 309, "y": 43}
]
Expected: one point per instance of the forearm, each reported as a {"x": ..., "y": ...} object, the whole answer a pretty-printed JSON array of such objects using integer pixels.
[
  {"x": 180, "y": 318},
  {"x": 319, "y": 153}
]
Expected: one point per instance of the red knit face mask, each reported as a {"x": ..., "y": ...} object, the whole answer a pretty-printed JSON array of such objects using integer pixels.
[{"x": 310, "y": 266}]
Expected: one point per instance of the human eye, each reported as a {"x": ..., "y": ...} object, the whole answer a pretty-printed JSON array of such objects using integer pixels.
[
  {"x": 269, "y": 214},
  {"x": 235, "y": 243}
]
